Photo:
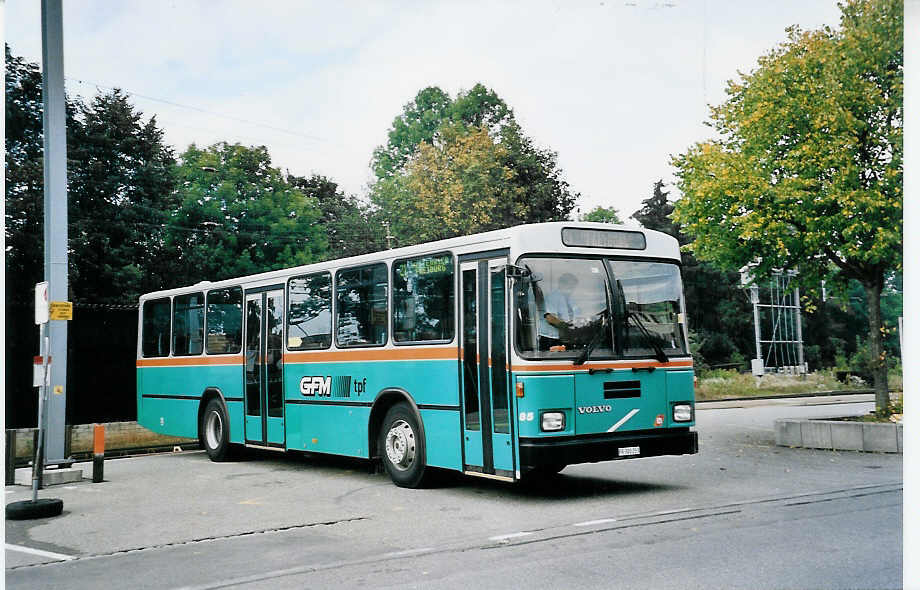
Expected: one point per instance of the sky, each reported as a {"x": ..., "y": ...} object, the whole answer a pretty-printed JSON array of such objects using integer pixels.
[{"x": 614, "y": 87}]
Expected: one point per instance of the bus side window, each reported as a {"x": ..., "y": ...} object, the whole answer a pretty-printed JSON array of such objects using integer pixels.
[
  {"x": 188, "y": 324},
  {"x": 310, "y": 312},
  {"x": 225, "y": 321},
  {"x": 361, "y": 306},
  {"x": 423, "y": 299},
  {"x": 155, "y": 328}
]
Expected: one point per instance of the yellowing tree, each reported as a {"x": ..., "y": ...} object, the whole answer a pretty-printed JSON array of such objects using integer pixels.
[
  {"x": 428, "y": 136},
  {"x": 807, "y": 172},
  {"x": 456, "y": 185}
]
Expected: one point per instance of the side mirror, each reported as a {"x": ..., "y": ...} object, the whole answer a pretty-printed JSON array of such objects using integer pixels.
[
  {"x": 516, "y": 272},
  {"x": 520, "y": 273}
]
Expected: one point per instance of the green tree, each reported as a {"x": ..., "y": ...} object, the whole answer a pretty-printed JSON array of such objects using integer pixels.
[
  {"x": 458, "y": 186},
  {"x": 238, "y": 215},
  {"x": 717, "y": 310},
  {"x": 427, "y": 113},
  {"x": 434, "y": 123},
  {"x": 807, "y": 172},
  {"x": 656, "y": 213},
  {"x": 602, "y": 215},
  {"x": 120, "y": 186},
  {"x": 420, "y": 120},
  {"x": 119, "y": 193},
  {"x": 24, "y": 176},
  {"x": 345, "y": 218}
]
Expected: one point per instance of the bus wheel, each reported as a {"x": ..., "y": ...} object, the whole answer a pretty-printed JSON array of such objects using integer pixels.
[
  {"x": 401, "y": 445},
  {"x": 214, "y": 430}
]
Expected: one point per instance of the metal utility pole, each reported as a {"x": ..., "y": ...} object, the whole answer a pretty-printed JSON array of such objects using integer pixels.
[
  {"x": 55, "y": 163},
  {"x": 757, "y": 363}
]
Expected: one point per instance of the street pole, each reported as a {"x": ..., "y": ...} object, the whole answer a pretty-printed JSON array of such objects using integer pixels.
[
  {"x": 757, "y": 363},
  {"x": 38, "y": 464},
  {"x": 55, "y": 163},
  {"x": 798, "y": 334}
]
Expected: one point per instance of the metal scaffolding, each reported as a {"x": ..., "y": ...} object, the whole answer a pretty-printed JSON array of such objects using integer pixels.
[{"x": 777, "y": 325}]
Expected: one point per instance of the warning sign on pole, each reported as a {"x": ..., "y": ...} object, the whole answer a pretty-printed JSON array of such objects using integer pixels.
[{"x": 60, "y": 310}]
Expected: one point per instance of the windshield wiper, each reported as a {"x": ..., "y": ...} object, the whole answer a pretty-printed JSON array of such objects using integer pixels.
[
  {"x": 595, "y": 340},
  {"x": 659, "y": 352}
]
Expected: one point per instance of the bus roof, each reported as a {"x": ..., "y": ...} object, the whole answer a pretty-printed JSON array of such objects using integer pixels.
[{"x": 536, "y": 238}]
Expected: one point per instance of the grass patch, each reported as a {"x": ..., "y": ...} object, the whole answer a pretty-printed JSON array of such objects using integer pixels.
[
  {"x": 721, "y": 384},
  {"x": 894, "y": 412}
]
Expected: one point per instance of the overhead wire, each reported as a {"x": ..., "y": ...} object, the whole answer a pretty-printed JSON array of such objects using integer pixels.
[{"x": 311, "y": 137}]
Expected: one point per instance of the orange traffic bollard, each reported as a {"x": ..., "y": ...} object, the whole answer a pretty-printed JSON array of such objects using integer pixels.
[{"x": 98, "y": 451}]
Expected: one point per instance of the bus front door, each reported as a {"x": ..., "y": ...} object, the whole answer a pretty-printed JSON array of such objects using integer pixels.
[
  {"x": 264, "y": 367},
  {"x": 487, "y": 437}
]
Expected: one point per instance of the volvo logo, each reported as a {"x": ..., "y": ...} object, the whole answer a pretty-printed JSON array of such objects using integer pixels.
[{"x": 594, "y": 409}]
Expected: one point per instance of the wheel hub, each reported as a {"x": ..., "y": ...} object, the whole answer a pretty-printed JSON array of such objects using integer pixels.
[
  {"x": 214, "y": 430},
  {"x": 400, "y": 445}
]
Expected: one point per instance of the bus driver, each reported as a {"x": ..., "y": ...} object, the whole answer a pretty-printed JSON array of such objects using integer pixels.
[{"x": 559, "y": 313}]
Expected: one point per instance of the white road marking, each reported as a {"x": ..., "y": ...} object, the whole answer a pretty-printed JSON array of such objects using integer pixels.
[
  {"x": 623, "y": 420},
  {"x": 409, "y": 552},
  {"x": 595, "y": 522},
  {"x": 509, "y": 536},
  {"x": 39, "y": 552}
]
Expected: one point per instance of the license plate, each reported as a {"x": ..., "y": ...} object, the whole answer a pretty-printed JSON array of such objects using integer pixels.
[{"x": 628, "y": 451}]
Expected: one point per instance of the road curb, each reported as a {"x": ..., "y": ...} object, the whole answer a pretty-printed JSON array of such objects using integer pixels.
[
  {"x": 790, "y": 396},
  {"x": 840, "y": 435}
]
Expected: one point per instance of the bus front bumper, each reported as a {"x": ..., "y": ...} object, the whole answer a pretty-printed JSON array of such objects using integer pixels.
[{"x": 569, "y": 450}]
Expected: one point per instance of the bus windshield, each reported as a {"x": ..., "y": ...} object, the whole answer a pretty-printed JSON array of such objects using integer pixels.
[{"x": 615, "y": 308}]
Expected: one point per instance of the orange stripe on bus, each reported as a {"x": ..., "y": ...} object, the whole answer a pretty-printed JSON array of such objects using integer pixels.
[
  {"x": 572, "y": 367},
  {"x": 398, "y": 354},
  {"x": 191, "y": 361}
]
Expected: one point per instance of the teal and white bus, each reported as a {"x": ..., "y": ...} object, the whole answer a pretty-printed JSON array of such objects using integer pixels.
[{"x": 502, "y": 355}]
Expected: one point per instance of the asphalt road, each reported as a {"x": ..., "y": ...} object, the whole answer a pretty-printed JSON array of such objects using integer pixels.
[{"x": 740, "y": 514}]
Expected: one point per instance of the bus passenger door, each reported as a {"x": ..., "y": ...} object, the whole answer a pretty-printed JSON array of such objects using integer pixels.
[
  {"x": 487, "y": 437},
  {"x": 264, "y": 367}
]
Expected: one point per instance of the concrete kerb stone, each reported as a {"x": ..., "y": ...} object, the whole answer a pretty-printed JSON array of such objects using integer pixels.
[
  {"x": 881, "y": 440},
  {"x": 847, "y": 436},
  {"x": 817, "y": 435},
  {"x": 840, "y": 435},
  {"x": 788, "y": 433}
]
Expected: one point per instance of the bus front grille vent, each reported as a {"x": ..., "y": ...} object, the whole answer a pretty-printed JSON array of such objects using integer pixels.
[{"x": 621, "y": 389}]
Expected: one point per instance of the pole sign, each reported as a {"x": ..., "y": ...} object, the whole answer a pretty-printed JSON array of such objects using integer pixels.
[
  {"x": 39, "y": 375},
  {"x": 41, "y": 303},
  {"x": 60, "y": 310}
]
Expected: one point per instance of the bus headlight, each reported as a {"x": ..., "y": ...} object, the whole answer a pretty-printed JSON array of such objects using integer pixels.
[
  {"x": 552, "y": 421},
  {"x": 682, "y": 413}
]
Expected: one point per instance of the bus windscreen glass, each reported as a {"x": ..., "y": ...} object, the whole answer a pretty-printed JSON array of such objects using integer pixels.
[{"x": 616, "y": 308}]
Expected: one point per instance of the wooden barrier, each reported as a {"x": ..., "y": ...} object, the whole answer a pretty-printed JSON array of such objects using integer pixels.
[{"x": 119, "y": 437}]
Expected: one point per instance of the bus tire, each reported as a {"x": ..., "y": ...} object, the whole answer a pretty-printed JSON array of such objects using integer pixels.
[
  {"x": 402, "y": 447},
  {"x": 214, "y": 431}
]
